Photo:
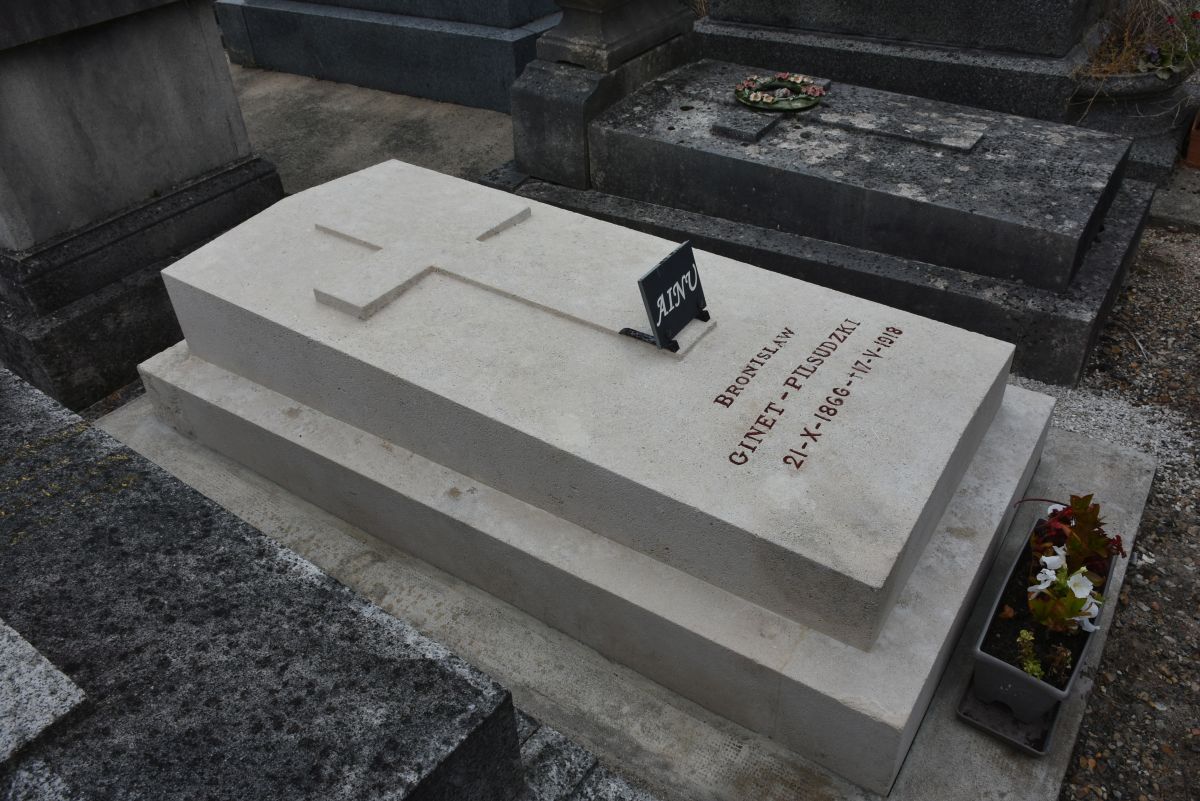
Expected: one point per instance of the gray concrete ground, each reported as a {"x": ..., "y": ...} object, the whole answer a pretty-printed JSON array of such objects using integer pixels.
[
  {"x": 315, "y": 131},
  {"x": 1177, "y": 203}
]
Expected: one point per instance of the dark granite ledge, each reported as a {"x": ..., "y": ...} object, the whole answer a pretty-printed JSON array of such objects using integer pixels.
[{"x": 215, "y": 663}]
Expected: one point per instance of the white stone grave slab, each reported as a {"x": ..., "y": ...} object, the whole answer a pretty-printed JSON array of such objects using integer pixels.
[
  {"x": 797, "y": 452},
  {"x": 851, "y": 711}
]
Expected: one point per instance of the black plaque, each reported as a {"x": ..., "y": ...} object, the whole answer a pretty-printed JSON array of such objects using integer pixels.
[{"x": 673, "y": 297}]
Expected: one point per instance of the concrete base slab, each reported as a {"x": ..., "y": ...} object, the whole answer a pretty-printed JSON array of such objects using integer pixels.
[
  {"x": 442, "y": 59},
  {"x": 758, "y": 668},
  {"x": 1053, "y": 332},
  {"x": 676, "y": 747}
]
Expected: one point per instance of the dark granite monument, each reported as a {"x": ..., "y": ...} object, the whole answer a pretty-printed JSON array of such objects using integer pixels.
[
  {"x": 121, "y": 148},
  {"x": 461, "y": 51},
  {"x": 1016, "y": 227}
]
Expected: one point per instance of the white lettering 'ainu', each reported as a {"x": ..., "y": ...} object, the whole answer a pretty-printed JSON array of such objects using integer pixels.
[{"x": 676, "y": 293}]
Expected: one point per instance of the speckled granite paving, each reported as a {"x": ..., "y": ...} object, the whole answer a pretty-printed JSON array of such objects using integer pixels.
[
  {"x": 33, "y": 693},
  {"x": 216, "y": 664}
]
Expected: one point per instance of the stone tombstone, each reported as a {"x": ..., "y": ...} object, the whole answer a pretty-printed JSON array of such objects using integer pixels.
[
  {"x": 758, "y": 520},
  {"x": 461, "y": 51},
  {"x": 121, "y": 147}
]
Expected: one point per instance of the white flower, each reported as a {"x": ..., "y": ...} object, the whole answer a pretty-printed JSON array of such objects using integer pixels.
[
  {"x": 1054, "y": 507},
  {"x": 1080, "y": 584},
  {"x": 1045, "y": 578},
  {"x": 1090, "y": 610},
  {"x": 1057, "y": 559}
]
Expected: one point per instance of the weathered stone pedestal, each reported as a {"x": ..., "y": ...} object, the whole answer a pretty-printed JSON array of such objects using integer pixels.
[
  {"x": 786, "y": 521},
  {"x": 602, "y": 51},
  {"x": 121, "y": 148},
  {"x": 461, "y": 51}
]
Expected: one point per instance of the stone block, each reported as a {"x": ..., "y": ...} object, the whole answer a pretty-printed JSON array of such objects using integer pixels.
[
  {"x": 33, "y": 693},
  {"x": 946, "y": 185},
  {"x": 602, "y": 35},
  {"x": 1013, "y": 83},
  {"x": 552, "y": 105},
  {"x": 442, "y": 59},
  {"x": 112, "y": 116},
  {"x": 748, "y": 499},
  {"x": 1053, "y": 333},
  {"x": 1025, "y": 26},
  {"x": 59, "y": 271},
  {"x": 852, "y": 711},
  {"x": 79, "y": 312},
  {"x": 216, "y": 663},
  {"x": 554, "y": 766}
]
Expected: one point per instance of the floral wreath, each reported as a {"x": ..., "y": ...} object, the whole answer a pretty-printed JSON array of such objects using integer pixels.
[{"x": 786, "y": 91}]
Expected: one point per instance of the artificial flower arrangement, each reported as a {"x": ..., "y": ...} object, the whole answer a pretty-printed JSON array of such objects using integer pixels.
[
  {"x": 1040, "y": 625},
  {"x": 785, "y": 91}
]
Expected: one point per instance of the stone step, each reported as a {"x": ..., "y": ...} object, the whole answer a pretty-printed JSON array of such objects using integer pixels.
[
  {"x": 1013, "y": 83},
  {"x": 787, "y": 443},
  {"x": 467, "y": 52},
  {"x": 852, "y": 711},
  {"x": 957, "y": 187},
  {"x": 1053, "y": 332},
  {"x": 1026, "y": 26},
  {"x": 215, "y": 663}
]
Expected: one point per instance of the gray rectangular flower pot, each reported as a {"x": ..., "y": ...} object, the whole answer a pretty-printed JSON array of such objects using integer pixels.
[{"x": 997, "y": 681}]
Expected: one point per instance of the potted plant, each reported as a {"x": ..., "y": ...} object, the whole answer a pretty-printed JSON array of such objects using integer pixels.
[
  {"x": 1041, "y": 623},
  {"x": 1150, "y": 46}
]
